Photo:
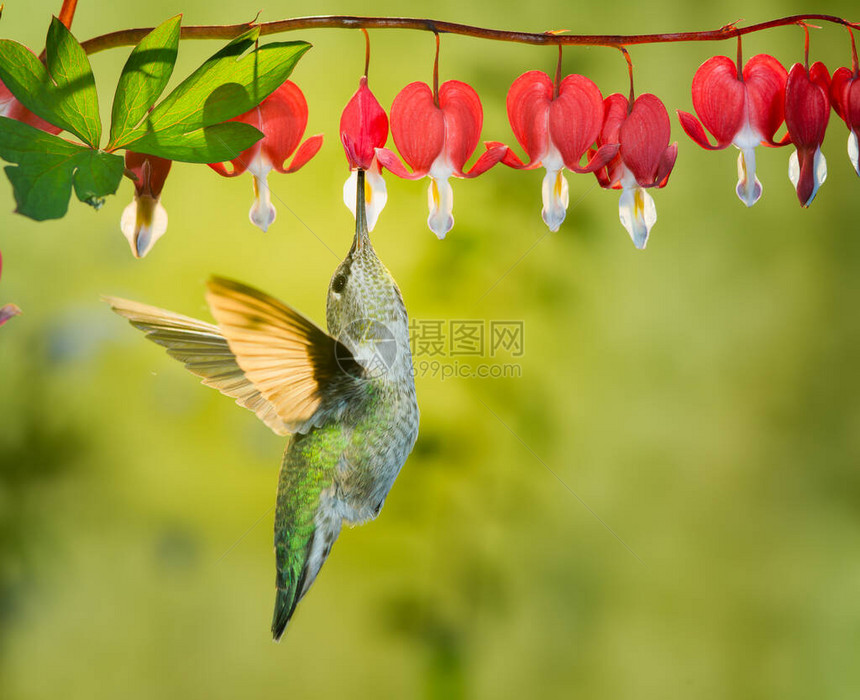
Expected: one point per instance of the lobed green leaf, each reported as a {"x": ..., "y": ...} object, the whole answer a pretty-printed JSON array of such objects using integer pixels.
[
  {"x": 225, "y": 86},
  {"x": 211, "y": 144},
  {"x": 47, "y": 167},
  {"x": 144, "y": 78},
  {"x": 75, "y": 90},
  {"x": 64, "y": 93}
]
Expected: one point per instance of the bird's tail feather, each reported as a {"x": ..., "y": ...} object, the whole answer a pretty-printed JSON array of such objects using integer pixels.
[
  {"x": 307, "y": 524},
  {"x": 291, "y": 588}
]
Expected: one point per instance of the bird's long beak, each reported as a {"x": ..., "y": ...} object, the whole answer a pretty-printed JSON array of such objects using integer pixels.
[{"x": 362, "y": 236}]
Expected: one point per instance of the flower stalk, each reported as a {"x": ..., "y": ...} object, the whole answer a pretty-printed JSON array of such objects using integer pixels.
[{"x": 130, "y": 37}]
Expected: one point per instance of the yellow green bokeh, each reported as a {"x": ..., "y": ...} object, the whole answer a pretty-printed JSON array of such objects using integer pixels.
[{"x": 664, "y": 504}]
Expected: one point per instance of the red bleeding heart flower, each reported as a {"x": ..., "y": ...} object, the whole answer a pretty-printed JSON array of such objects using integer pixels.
[
  {"x": 845, "y": 98},
  {"x": 740, "y": 109},
  {"x": 556, "y": 124},
  {"x": 282, "y": 117},
  {"x": 9, "y": 310},
  {"x": 363, "y": 129},
  {"x": 436, "y": 138},
  {"x": 144, "y": 221},
  {"x": 645, "y": 158},
  {"x": 807, "y": 110}
]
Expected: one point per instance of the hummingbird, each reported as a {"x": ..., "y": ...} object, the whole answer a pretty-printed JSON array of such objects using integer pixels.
[{"x": 346, "y": 397}]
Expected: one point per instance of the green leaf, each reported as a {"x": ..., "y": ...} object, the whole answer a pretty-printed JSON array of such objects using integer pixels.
[
  {"x": 98, "y": 174},
  {"x": 69, "y": 67},
  {"x": 27, "y": 79},
  {"x": 64, "y": 94},
  {"x": 225, "y": 86},
  {"x": 212, "y": 144},
  {"x": 144, "y": 78},
  {"x": 48, "y": 167}
]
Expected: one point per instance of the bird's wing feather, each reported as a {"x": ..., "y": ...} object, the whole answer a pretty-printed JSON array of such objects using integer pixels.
[
  {"x": 204, "y": 351},
  {"x": 297, "y": 367}
]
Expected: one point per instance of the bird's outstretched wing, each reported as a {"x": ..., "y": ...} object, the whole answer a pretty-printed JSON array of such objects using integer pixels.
[
  {"x": 203, "y": 350},
  {"x": 302, "y": 371}
]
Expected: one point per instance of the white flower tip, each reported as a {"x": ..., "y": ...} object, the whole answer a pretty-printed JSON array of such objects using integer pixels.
[
  {"x": 749, "y": 187},
  {"x": 638, "y": 215},
  {"x": 749, "y": 195},
  {"x": 143, "y": 222},
  {"x": 440, "y": 201},
  {"x": 375, "y": 194},
  {"x": 556, "y": 197},
  {"x": 262, "y": 213},
  {"x": 854, "y": 151},
  {"x": 794, "y": 169}
]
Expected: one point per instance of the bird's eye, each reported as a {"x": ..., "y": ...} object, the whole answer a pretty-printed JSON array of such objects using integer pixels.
[{"x": 338, "y": 284}]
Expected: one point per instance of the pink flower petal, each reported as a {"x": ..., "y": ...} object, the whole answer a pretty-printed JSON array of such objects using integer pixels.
[
  {"x": 667, "y": 162},
  {"x": 644, "y": 137},
  {"x": 807, "y": 104},
  {"x": 509, "y": 158},
  {"x": 151, "y": 172},
  {"x": 417, "y": 126},
  {"x": 807, "y": 111},
  {"x": 528, "y": 105},
  {"x": 464, "y": 118},
  {"x": 493, "y": 155},
  {"x": 363, "y": 127},
  {"x": 283, "y": 117},
  {"x": 845, "y": 97},
  {"x": 765, "y": 79},
  {"x": 614, "y": 114},
  {"x": 696, "y": 131},
  {"x": 389, "y": 160},
  {"x": 575, "y": 118},
  {"x": 7, "y": 312},
  {"x": 718, "y": 98},
  {"x": 306, "y": 151},
  {"x": 598, "y": 159}
]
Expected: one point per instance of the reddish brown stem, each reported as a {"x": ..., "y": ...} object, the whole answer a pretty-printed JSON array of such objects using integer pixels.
[
  {"x": 436, "y": 74},
  {"x": 130, "y": 37},
  {"x": 67, "y": 12},
  {"x": 740, "y": 60},
  {"x": 632, "y": 97},
  {"x": 855, "y": 68},
  {"x": 557, "y": 72},
  {"x": 366, "y": 51},
  {"x": 805, "y": 45}
]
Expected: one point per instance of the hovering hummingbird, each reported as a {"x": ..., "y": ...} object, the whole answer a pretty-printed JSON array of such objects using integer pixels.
[{"x": 346, "y": 396}]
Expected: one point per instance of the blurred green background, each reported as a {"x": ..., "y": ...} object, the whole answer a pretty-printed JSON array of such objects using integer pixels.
[{"x": 702, "y": 398}]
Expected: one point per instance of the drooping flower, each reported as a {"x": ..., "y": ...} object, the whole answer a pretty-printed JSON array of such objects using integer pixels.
[
  {"x": 144, "y": 221},
  {"x": 436, "y": 138},
  {"x": 282, "y": 117},
  {"x": 845, "y": 98},
  {"x": 807, "y": 111},
  {"x": 9, "y": 310},
  {"x": 740, "y": 109},
  {"x": 363, "y": 129},
  {"x": 645, "y": 158},
  {"x": 556, "y": 125}
]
